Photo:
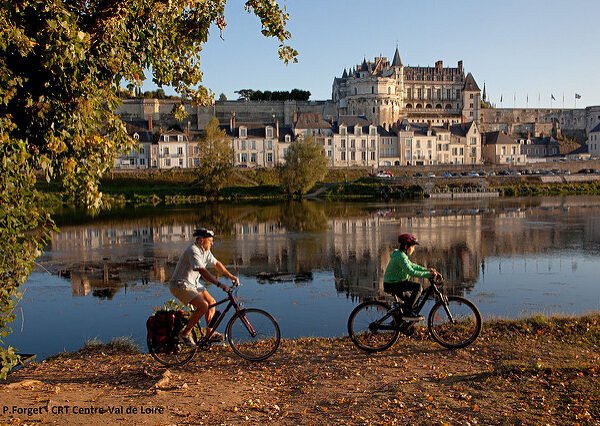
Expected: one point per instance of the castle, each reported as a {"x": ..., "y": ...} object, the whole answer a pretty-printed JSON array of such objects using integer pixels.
[{"x": 381, "y": 114}]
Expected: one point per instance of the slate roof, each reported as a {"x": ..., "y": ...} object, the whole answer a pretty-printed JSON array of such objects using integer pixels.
[
  {"x": 498, "y": 138},
  {"x": 470, "y": 83},
  {"x": 397, "y": 62},
  {"x": 596, "y": 129},
  {"x": 461, "y": 129},
  {"x": 311, "y": 120}
]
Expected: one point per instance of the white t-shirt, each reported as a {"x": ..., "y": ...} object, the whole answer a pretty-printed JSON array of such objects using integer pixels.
[{"x": 186, "y": 272}]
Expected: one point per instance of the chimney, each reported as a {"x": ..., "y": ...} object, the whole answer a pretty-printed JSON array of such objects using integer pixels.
[
  {"x": 149, "y": 121},
  {"x": 277, "y": 129},
  {"x": 439, "y": 65},
  {"x": 460, "y": 67}
]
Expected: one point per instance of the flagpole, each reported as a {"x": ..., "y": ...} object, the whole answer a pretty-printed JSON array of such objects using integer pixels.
[{"x": 563, "y": 100}]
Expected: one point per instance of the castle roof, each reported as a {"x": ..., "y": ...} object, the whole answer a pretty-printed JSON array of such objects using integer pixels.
[
  {"x": 397, "y": 62},
  {"x": 596, "y": 129},
  {"x": 470, "y": 84}
]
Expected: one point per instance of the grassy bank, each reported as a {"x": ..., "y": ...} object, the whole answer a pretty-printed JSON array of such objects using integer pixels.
[
  {"x": 537, "y": 370},
  {"x": 178, "y": 187}
]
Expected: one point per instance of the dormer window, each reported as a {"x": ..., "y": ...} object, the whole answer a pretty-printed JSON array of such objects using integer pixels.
[
  {"x": 343, "y": 130},
  {"x": 269, "y": 132},
  {"x": 358, "y": 130},
  {"x": 243, "y": 132},
  {"x": 288, "y": 138}
]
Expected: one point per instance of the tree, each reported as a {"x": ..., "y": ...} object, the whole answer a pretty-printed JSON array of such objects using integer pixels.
[
  {"x": 222, "y": 97},
  {"x": 62, "y": 63},
  {"x": 245, "y": 94},
  {"x": 216, "y": 158},
  {"x": 304, "y": 166}
]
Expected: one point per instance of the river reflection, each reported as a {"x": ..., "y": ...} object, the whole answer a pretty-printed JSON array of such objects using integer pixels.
[{"x": 311, "y": 262}]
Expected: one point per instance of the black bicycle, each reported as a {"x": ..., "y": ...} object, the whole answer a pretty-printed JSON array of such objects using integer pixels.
[
  {"x": 454, "y": 322},
  {"x": 253, "y": 334}
]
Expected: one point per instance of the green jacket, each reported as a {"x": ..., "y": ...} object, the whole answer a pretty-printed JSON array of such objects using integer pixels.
[{"x": 401, "y": 268}]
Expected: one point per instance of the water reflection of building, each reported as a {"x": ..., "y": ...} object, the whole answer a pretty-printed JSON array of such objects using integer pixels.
[{"x": 354, "y": 243}]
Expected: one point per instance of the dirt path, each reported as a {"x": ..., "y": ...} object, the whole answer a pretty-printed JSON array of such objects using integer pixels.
[{"x": 516, "y": 373}]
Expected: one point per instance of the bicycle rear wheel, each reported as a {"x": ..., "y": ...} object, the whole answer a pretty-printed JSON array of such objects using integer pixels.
[
  {"x": 253, "y": 334},
  {"x": 174, "y": 353},
  {"x": 455, "y": 325},
  {"x": 369, "y": 330}
]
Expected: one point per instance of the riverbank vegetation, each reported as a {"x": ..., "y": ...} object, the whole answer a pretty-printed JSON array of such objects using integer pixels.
[{"x": 538, "y": 370}]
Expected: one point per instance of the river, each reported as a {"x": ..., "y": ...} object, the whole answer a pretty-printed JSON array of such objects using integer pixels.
[{"x": 101, "y": 277}]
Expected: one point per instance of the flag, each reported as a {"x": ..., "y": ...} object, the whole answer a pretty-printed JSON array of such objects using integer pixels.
[
  {"x": 500, "y": 98},
  {"x": 577, "y": 96},
  {"x": 552, "y": 97}
]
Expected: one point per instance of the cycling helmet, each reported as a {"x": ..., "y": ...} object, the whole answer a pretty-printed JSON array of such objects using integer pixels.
[
  {"x": 203, "y": 233},
  {"x": 407, "y": 240}
]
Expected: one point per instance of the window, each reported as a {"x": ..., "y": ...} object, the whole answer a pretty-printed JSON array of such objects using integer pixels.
[
  {"x": 269, "y": 144},
  {"x": 372, "y": 143},
  {"x": 168, "y": 162},
  {"x": 364, "y": 156},
  {"x": 142, "y": 150},
  {"x": 372, "y": 156},
  {"x": 288, "y": 138},
  {"x": 142, "y": 161},
  {"x": 352, "y": 143},
  {"x": 352, "y": 156},
  {"x": 343, "y": 130},
  {"x": 409, "y": 93},
  {"x": 253, "y": 158},
  {"x": 252, "y": 144},
  {"x": 196, "y": 162},
  {"x": 136, "y": 136},
  {"x": 243, "y": 145},
  {"x": 196, "y": 150},
  {"x": 243, "y": 132},
  {"x": 179, "y": 138},
  {"x": 269, "y": 157},
  {"x": 343, "y": 156},
  {"x": 363, "y": 143},
  {"x": 166, "y": 150},
  {"x": 181, "y": 162},
  {"x": 132, "y": 161},
  {"x": 180, "y": 150},
  {"x": 329, "y": 153},
  {"x": 419, "y": 93},
  {"x": 343, "y": 143},
  {"x": 448, "y": 93},
  {"x": 244, "y": 157},
  {"x": 269, "y": 132}
]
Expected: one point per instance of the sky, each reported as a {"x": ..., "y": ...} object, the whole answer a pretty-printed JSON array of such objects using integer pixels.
[{"x": 525, "y": 51}]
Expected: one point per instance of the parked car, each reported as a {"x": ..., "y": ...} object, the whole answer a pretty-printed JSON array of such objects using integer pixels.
[
  {"x": 383, "y": 174},
  {"x": 447, "y": 174}
]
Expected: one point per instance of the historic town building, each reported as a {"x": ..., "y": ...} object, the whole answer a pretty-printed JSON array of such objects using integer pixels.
[{"x": 387, "y": 92}]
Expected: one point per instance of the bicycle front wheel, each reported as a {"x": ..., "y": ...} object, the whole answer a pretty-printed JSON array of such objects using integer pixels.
[
  {"x": 456, "y": 324},
  {"x": 174, "y": 353},
  {"x": 369, "y": 329},
  {"x": 253, "y": 334}
]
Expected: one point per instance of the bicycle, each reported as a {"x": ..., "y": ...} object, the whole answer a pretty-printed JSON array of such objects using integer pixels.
[
  {"x": 454, "y": 321},
  {"x": 252, "y": 333}
]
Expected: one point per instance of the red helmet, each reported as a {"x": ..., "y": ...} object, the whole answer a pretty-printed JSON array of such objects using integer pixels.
[{"x": 407, "y": 240}]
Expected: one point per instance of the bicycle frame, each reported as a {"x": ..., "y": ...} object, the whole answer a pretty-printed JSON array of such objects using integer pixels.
[
  {"x": 232, "y": 303},
  {"x": 432, "y": 290}
]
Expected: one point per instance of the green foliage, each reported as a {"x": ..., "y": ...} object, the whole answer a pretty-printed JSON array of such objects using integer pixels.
[
  {"x": 304, "y": 166},
  {"x": 62, "y": 63},
  {"x": 24, "y": 228},
  {"x": 216, "y": 158}
]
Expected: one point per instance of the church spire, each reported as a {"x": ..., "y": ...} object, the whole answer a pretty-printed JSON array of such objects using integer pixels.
[
  {"x": 484, "y": 94},
  {"x": 397, "y": 62}
]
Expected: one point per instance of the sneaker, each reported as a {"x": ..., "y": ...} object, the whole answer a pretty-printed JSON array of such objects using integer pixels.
[
  {"x": 217, "y": 337},
  {"x": 412, "y": 317},
  {"x": 187, "y": 339}
]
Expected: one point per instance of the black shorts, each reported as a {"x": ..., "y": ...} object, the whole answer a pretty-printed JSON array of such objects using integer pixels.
[{"x": 402, "y": 289}]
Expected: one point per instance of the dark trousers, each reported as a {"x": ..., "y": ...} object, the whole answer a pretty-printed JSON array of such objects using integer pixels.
[{"x": 408, "y": 291}]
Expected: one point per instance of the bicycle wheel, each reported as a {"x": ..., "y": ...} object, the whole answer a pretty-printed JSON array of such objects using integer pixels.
[
  {"x": 369, "y": 330},
  {"x": 175, "y": 353},
  {"x": 461, "y": 330},
  {"x": 253, "y": 334}
]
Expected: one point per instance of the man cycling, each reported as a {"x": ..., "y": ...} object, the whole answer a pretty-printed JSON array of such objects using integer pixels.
[{"x": 184, "y": 283}]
